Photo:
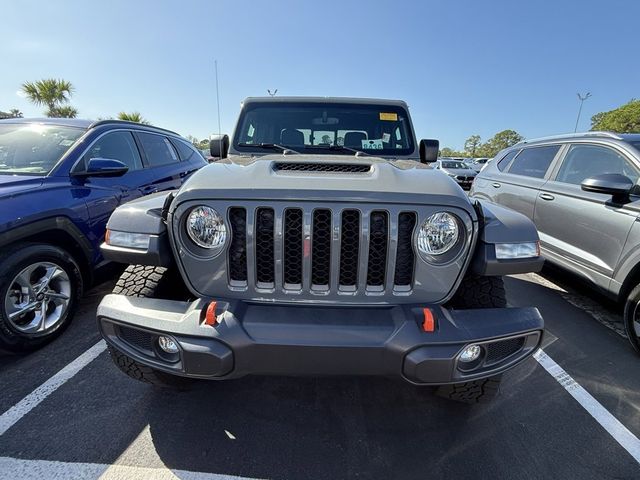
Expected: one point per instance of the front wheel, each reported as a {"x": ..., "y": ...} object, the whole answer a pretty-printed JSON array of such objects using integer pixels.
[
  {"x": 632, "y": 318},
  {"x": 40, "y": 286},
  {"x": 476, "y": 292}
]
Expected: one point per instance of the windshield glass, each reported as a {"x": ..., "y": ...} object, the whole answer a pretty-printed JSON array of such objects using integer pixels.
[
  {"x": 34, "y": 149},
  {"x": 455, "y": 165},
  {"x": 310, "y": 127}
]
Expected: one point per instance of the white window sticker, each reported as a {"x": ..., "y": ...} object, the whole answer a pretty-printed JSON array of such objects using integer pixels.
[
  {"x": 372, "y": 144},
  {"x": 386, "y": 138}
]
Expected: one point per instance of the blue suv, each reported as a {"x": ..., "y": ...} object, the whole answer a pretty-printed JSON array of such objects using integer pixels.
[{"x": 60, "y": 179}]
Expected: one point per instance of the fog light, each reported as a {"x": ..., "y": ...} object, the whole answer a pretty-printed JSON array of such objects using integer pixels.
[
  {"x": 168, "y": 344},
  {"x": 471, "y": 353}
]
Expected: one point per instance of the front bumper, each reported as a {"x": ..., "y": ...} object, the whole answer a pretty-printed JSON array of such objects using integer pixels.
[{"x": 310, "y": 340}]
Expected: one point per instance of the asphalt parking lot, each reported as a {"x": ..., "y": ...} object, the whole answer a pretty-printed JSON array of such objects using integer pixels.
[{"x": 100, "y": 423}]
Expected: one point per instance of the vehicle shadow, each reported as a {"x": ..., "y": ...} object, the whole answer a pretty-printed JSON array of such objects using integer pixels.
[{"x": 330, "y": 428}]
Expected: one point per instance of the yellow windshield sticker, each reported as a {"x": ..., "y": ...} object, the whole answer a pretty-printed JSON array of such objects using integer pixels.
[{"x": 389, "y": 116}]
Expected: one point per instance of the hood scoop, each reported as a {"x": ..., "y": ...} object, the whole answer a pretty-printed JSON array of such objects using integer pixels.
[{"x": 317, "y": 167}]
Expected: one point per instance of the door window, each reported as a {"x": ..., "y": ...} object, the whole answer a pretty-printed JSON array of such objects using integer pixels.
[
  {"x": 534, "y": 161},
  {"x": 158, "y": 149},
  {"x": 185, "y": 150},
  {"x": 584, "y": 161},
  {"x": 116, "y": 146},
  {"x": 504, "y": 161}
]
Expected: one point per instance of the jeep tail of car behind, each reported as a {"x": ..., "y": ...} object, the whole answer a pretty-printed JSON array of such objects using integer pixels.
[{"x": 322, "y": 244}]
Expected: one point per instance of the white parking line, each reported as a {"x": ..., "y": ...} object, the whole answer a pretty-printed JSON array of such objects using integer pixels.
[
  {"x": 28, "y": 403},
  {"x": 611, "y": 424},
  {"x": 18, "y": 469}
]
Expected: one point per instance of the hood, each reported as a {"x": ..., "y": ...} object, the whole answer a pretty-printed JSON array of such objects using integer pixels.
[
  {"x": 323, "y": 178},
  {"x": 466, "y": 172},
  {"x": 11, "y": 184}
]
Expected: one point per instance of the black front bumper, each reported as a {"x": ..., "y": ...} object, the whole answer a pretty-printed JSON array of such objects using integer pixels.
[{"x": 311, "y": 340}]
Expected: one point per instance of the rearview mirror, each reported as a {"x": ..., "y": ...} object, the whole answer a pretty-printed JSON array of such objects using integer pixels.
[
  {"x": 103, "y": 167},
  {"x": 429, "y": 150},
  {"x": 219, "y": 146},
  {"x": 615, "y": 184}
]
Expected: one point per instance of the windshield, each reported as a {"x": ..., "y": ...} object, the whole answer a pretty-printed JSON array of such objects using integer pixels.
[
  {"x": 455, "y": 165},
  {"x": 34, "y": 149},
  {"x": 336, "y": 128}
]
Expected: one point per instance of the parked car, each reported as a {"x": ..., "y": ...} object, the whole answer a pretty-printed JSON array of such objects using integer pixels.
[
  {"x": 479, "y": 163},
  {"x": 60, "y": 180},
  {"x": 303, "y": 254},
  {"x": 582, "y": 192},
  {"x": 462, "y": 173}
]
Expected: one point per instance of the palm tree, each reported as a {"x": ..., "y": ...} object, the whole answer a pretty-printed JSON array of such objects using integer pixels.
[
  {"x": 63, "y": 112},
  {"x": 50, "y": 92},
  {"x": 15, "y": 113},
  {"x": 133, "y": 117}
]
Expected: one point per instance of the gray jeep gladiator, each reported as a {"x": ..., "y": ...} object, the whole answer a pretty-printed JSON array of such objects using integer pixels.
[{"x": 320, "y": 243}]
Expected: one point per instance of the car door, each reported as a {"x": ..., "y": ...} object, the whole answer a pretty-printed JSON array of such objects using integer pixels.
[
  {"x": 586, "y": 231},
  {"x": 103, "y": 194},
  {"x": 517, "y": 185},
  {"x": 163, "y": 167}
]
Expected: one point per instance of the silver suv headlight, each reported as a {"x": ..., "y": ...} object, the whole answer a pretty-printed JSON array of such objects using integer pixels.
[
  {"x": 438, "y": 234},
  {"x": 205, "y": 226}
]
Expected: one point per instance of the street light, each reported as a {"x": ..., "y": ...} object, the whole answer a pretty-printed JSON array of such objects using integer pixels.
[{"x": 582, "y": 99}]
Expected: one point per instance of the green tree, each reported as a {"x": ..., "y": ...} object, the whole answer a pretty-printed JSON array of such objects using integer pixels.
[
  {"x": 624, "y": 119},
  {"x": 15, "y": 113},
  {"x": 499, "y": 141},
  {"x": 50, "y": 92},
  {"x": 133, "y": 117},
  {"x": 66, "y": 111},
  {"x": 448, "y": 152},
  {"x": 472, "y": 144}
]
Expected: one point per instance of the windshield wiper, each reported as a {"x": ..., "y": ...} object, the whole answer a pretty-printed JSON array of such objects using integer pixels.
[
  {"x": 271, "y": 146},
  {"x": 338, "y": 147}
]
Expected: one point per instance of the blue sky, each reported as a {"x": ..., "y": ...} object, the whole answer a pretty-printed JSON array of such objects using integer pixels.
[{"x": 464, "y": 67}]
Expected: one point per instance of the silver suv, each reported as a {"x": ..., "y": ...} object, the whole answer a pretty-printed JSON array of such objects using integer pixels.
[
  {"x": 581, "y": 191},
  {"x": 320, "y": 243}
]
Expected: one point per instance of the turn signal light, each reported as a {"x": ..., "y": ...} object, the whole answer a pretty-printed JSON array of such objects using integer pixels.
[
  {"x": 429, "y": 321},
  {"x": 210, "y": 317}
]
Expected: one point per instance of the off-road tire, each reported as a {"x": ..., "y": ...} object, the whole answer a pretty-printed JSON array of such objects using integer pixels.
[
  {"x": 476, "y": 391},
  {"x": 629, "y": 311},
  {"x": 145, "y": 374},
  {"x": 149, "y": 282},
  {"x": 476, "y": 292},
  {"x": 479, "y": 292},
  {"x": 12, "y": 261}
]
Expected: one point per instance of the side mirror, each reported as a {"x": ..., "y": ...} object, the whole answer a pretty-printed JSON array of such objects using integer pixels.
[
  {"x": 429, "y": 150},
  {"x": 103, "y": 167},
  {"x": 219, "y": 146},
  {"x": 615, "y": 184}
]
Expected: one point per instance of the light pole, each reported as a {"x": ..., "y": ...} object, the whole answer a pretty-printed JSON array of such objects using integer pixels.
[{"x": 582, "y": 99}]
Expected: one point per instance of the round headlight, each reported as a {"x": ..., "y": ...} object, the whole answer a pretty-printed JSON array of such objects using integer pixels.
[
  {"x": 438, "y": 234},
  {"x": 206, "y": 228}
]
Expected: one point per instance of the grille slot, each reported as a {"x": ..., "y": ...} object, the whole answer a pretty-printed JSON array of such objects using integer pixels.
[
  {"x": 321, "y": 248},
  {"x": 498, "y": 351},
  {"x": 137, "y": 338},
  {"x": 378, "y": 243},
  {"x": 349, "y": 248},
  {"x": 293, "y": 246},
  {"x": 322, "y": 167},
  {"x": 238, "y": 247},
  {"x": 265, "y": 263},
  {"x": 405, "y": 257}
]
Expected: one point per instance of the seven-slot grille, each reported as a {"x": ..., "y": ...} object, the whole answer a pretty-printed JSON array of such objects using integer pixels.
[{"x": 321, "y": 250}]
